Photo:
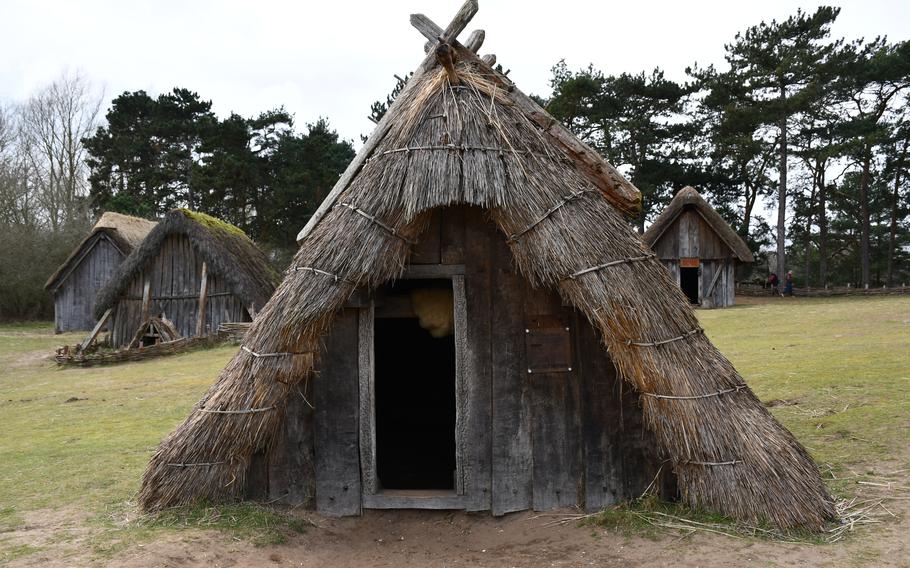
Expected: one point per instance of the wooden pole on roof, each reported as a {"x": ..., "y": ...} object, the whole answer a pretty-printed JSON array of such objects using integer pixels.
[
  {"x": 91, "y": 337},
  {"x": 461, "y": 20}
]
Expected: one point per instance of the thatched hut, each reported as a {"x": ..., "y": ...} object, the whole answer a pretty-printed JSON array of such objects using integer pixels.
[
  {"x": 575, "y": 372},
  {"x": 699, "y": 248},
  {"x": 194, "y": 271},
  {"x": 89, "y": 267}
]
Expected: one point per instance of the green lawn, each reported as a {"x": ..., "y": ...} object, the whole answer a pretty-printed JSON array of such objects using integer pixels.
[{"x": 837, "y": 371}]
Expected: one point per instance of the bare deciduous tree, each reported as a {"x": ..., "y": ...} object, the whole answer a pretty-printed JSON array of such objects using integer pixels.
[{"x": 52, "y": 124}]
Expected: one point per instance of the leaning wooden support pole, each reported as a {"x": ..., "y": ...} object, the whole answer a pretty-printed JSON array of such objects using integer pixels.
[
  {"x": 203, "y": 298},
  {"x": 97, "y": 329}
]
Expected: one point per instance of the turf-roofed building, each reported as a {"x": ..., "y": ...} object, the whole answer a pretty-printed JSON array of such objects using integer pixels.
[
  {"x": 76, "y": 283},
  {"x": 192, "y": 270}
]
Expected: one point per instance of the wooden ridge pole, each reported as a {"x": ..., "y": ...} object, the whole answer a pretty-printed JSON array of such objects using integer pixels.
[{"x": 461, "y": 20}]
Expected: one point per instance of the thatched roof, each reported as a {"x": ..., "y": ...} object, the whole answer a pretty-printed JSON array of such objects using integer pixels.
[
  {"x": 226, "y": 249},
  {"x": 125, "y": 231},
  {"x": 480, "y": 142},
  {"x": 689, "y": 198}
]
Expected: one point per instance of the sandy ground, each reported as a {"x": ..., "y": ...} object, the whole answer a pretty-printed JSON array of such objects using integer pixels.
[{"x": 411, "y": 539}]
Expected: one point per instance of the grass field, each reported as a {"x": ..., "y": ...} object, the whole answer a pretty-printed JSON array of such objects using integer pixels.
[{"x": 74, "y": 442}]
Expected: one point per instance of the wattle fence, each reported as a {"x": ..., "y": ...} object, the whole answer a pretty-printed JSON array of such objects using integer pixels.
[{"x": 744, "y": 289}]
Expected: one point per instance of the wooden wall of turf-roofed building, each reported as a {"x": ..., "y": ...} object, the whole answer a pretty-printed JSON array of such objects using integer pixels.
[
  {"x": 175, "y": 278},
  {"x": 74, "y": 296}
]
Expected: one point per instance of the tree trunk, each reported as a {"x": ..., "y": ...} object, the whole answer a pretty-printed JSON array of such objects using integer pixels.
[
  {"x": 782, "y": 198},
  {"x": 864, "y": 214},
  {"x": 895, "y": 197},
  {"x": 807, "y": 245},
  {"x": 822, "y": 232}
]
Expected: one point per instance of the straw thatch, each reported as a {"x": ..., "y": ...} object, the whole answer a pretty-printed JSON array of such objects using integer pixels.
[
  {"x": 472, "y": 144},
  {"x": 125, "y": 231},
  {"x": 688, "y": 197},
  {"x": 227, "y": 250}
]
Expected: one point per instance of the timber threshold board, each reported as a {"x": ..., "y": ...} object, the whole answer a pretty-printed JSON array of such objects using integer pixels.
[{"x": 415, "y": 499}]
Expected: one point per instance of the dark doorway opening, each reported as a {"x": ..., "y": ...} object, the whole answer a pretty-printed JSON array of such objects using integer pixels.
[
  {"x": 415, "y": 406},
  {"x": 688, "y": 281}
]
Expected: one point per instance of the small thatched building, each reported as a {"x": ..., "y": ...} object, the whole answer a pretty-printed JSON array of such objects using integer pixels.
[
  {"x": 195, "y": 271},
  {"x": 89, "y": 267},
  {"x": 470, "y": 323},
  {"x": 699, "y": 248}
]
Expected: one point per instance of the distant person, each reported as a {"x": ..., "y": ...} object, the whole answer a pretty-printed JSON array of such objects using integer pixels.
[
  {"x": 788, "y": 284},
  {"x": 772, "y": 283}
]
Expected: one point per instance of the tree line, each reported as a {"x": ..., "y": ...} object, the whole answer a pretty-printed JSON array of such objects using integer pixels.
[
  {"x": 62, "y": 164},
  {"x": 817, "y": 127}
]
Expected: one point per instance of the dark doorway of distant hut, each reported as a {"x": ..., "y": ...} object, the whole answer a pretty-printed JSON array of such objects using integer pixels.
[
  {"x": 414, "y": 405},
  {"x": 688, "y": 281}
]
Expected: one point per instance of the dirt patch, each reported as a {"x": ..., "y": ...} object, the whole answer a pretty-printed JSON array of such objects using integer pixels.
[{"x": 412, "y": 539}]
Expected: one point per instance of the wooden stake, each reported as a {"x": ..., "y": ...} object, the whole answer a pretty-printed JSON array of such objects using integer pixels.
[
  {"x": 203, "y": 296},
  {"x": 91, "y": 337},
  {"x": 146, "y": 298},
  {"x": 475, "y": 40}
]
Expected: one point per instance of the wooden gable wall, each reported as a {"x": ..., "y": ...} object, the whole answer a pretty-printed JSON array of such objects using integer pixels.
[
  {"x": 175, "y": 277},
  {"x": 74, "y": 298}
]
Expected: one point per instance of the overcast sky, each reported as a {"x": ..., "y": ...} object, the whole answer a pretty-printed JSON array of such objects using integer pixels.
[{"x": 334, "y": 58}]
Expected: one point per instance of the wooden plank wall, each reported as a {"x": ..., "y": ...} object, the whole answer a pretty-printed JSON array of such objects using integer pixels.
[
  {"x": 538, "y": 441},
  {"x": 74, "y": 299},
  {"x": 691, "y": 236},
  {"x": 336, "y": 428},
  {"x": 175, "y": 274}
]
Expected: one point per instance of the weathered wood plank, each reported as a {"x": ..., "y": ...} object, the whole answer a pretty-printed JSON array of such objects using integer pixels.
[
  {"x": 367, "y": 420},
  {"x": 512, "y": 464},
  {"x": 477, "y": 358},
  {"x": 601, "y": 419},
  {"x": 336, "y": 421},
  {"x": 452, "y": 235},
  {"x": 413, "y": 500},
  {"x": 433, "y": 271},
  {"x": 553, "y": 398},
  {"x": 459, "y": 307},
  {"x": 292, "y": 469},
  {"x": 426, "y": 251}
]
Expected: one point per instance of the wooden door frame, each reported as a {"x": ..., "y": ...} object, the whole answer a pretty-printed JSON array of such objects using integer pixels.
[{"x": 373, "y": 496}]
